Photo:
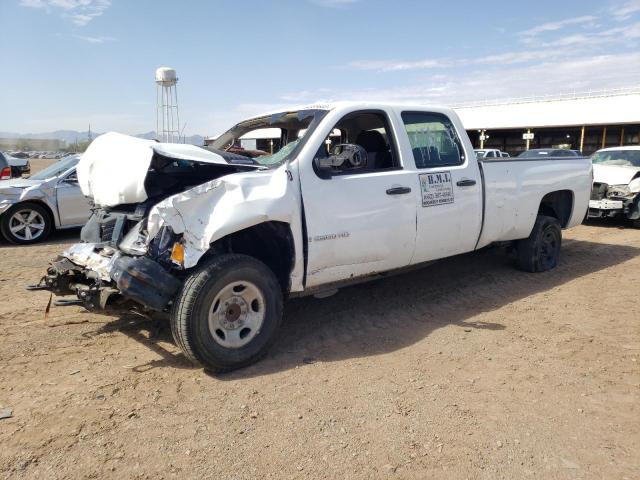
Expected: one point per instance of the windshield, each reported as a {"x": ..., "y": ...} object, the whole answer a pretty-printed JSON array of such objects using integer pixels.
[
  {"x": 625, "y": 158},
  {"x": 57, "y": 168},
  {"x": 270, "y": 140}
]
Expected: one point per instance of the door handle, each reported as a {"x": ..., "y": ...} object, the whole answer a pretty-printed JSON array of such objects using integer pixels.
[
  {"x": 398, "y": 190},
  {"x": 467, "y": 182}
]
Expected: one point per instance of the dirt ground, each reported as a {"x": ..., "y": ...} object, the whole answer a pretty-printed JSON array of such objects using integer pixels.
[{"x": 465, "y": 369}]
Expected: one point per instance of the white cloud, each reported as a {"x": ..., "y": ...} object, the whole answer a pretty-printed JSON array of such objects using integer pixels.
[
  {"x": 559, "y": 40},
  {"x": 562, "y": 48},
  {"x": 33, "y": 3},
  {"x": 632, "y": 31},
  {"x": 79, "y": 12},
  {"x": 95, "y": 39},
  {"x": 334, "y": 3},
  {"x": 624, "y": 11},
  {"x": 554, "y": 26},
  {"x": 391, "y": 66},
  {"x": 498, "y": 81}
]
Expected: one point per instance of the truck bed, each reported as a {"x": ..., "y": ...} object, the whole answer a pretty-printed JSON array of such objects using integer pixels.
[{"x": 514, "y": 188}]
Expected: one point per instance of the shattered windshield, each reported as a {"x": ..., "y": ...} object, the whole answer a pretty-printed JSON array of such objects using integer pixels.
[
  {"x": 625, "y": 158},
  {"x": 270, "y": 140}
]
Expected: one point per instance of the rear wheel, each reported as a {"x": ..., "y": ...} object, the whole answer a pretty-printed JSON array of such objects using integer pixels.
[
  {"x": 227, "y": 313},
  {"x": 26, "y": 223},
  {"x": 541, "y": 251}
]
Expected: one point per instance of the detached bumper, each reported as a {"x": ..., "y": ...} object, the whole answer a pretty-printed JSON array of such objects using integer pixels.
[
  {"x": 605, "y": 208},
  {"x": 110, "y": 283}
]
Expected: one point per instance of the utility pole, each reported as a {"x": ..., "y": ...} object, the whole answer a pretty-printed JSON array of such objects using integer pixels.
[{"x": 483, "y": 137}]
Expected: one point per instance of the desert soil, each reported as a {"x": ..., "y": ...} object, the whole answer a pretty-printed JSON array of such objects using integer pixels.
[{"x": 465, "y": 369}]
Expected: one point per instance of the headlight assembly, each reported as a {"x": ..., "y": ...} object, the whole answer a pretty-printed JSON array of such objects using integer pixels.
[{"x": 618, "y": 191}]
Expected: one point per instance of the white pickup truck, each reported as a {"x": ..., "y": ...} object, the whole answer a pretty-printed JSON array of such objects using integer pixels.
[{"x": 349, "y": 192}]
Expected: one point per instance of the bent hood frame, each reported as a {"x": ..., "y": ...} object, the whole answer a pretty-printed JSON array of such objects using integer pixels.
[{"x": 113, "y": 169}]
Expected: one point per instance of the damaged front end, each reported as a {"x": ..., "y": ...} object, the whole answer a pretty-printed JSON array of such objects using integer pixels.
[
  {"x": 105, "y": 278},
  {"x": 615, "y": 200},
  {"x": 118, "y": 265}
]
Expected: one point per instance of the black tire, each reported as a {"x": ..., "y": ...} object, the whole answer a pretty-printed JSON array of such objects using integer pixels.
[
  {"x": 541, "y": 251},
  {"x": 190, "y": 313},
  {"x": 7, "y": 220}
]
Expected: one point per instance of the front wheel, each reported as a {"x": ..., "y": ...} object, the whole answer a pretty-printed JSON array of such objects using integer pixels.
[
  {"x": 26, "y": 223},
  {"x": 541, "y": 251},
  {"x": 228, "y": 312}
]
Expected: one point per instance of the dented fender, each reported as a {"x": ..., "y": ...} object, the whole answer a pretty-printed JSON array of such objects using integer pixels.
[{"x": 213, "y": 210}]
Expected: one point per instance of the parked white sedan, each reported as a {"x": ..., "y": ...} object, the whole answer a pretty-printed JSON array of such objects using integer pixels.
[{"x": 30, "y": 208}]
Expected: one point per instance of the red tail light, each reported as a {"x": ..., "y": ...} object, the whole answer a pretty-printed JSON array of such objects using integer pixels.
[{"x": 5, "y": 174}]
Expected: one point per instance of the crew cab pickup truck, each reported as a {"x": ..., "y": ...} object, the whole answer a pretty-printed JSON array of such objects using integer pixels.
[{"x": 352, "y": 191}]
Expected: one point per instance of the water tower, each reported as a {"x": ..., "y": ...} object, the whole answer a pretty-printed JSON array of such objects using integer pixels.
[{"x": 167, "y": 119}]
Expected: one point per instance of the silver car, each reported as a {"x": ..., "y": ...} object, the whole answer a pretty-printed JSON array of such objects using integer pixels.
[{"x": 30, "y": 208}]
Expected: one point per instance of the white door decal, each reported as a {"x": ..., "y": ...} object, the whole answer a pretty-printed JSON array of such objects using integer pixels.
[{"x": 437, "y": 188}]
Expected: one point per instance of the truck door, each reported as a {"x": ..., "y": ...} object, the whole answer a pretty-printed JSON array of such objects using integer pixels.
[
  {"x": 73, "y": 207},
  {"x": 450, "y": 205},
  {"x": 359, "y": 220}
]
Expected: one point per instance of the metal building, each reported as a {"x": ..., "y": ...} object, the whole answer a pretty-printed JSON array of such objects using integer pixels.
[{"x": 580, "y": 121}]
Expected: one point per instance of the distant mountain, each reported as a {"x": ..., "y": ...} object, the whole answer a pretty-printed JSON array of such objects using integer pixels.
[{"x": 71, "y": 136}]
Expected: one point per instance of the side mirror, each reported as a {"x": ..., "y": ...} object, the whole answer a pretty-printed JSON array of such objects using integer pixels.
[
  {"x": 345, "y": 156},
  {"x": 71, "y": 179}
]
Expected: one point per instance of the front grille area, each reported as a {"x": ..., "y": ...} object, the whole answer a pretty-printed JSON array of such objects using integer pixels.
[
  {"x": 108, "y": 226},
  {"x": 106, "y": 230},
  {"x": 599, "y": 191}
]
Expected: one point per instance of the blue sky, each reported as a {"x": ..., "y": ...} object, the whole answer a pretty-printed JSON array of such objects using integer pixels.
[{"x": 68, "y": 63}]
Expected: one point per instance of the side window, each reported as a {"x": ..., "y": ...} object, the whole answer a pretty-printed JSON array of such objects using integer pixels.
[
  {"x": 369, "y": 130},
  {"x": 433, "y": 140}
]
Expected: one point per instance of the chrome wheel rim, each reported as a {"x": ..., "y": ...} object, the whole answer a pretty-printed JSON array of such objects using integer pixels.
[
  {"x": 26, "y": 224},
  {"x": 236, "y": 314}
]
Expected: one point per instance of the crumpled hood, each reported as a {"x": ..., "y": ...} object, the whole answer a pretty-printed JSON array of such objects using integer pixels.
[
  {"x": 614, "y": 174},
  {"x": 113, "y": 169}
]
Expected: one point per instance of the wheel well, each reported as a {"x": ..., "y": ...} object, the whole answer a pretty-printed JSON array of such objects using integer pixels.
[
  {"x": 270, "y": 242},
  {"x": 43, "y": 205},
  {"x": 558, "y": 205}
]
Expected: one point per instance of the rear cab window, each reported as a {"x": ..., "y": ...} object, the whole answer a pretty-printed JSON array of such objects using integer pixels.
[{"x": 433, "y": 139}]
